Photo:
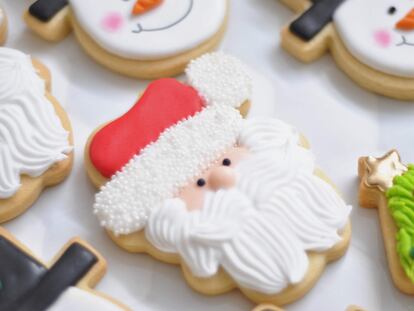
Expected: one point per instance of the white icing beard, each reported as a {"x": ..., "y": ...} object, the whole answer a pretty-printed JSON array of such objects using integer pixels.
[
  {"x": 259, "y": 231},
  {"x": 32, "y": 138},
  {"x": 368, "y": 31},
  {"x": 79, "y": 300},
  {"x": 172, "y": 28}
]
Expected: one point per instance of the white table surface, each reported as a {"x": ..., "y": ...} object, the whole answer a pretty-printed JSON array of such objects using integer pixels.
[{"x": 341, "y": 120}]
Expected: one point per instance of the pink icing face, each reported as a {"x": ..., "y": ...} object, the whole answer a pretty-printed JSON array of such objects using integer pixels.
[
  {"x": 221, "y": 175},
  {"x": 112, "y": 21},
  {"x": 383, "y": 38}
]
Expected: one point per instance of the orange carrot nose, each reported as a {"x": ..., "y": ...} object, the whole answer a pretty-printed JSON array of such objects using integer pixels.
[
  {"x": 407, "y": 22},
  {"x": 142, "y": 6}
]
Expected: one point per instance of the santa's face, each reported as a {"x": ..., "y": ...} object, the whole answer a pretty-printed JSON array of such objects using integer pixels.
[
  {"x": 166, "y": 30},
  {"x": 220, "y": 175},
  {"x": 379, "y": 33},
  {"x": 255, "y": 212}
]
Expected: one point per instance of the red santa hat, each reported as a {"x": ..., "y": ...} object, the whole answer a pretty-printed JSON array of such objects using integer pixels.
[{"x": 169, "y": 137}]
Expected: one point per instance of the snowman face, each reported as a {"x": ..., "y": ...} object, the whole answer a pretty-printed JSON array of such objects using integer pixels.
[
  {"x": 166, "y": 30},
  {"x": 379, "y": 33}
]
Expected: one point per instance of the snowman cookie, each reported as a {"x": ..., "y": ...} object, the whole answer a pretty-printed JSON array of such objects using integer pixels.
[
  {"x": 388, "y": 184},
  {"x": 138, "y": 38},
  {"x": 35, "y": 133},
  {"x": 65, "y": 284},
  {"x": 372, "y": 41},
  {"x": 187, "y": 180},
  {"x": 3, "y": 26}
]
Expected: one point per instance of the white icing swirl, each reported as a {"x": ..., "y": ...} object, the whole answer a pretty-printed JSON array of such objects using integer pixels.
[{"x": 32, "y": 137}]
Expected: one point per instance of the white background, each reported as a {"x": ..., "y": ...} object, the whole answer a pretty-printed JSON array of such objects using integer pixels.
[{"x": 341, "y": 120}]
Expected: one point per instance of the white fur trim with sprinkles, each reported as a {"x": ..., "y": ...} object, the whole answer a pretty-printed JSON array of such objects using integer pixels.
[
  {"x": 220, "y": 79},
  {"x": 180, "y": 154}
]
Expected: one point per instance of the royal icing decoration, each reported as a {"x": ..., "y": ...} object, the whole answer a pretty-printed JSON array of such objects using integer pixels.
[
  {"x": 381, "y": 34},
  {"x": 142, "y": 124},
  {"x": 186, "y": 133},
  {"x": 311, "y": 23},
  {"x": 191, "y": 146},
  {"x": 26, "y": 284},
  {"x": 45, "y": 10},
  {"x": 263, "y": 208},
  {"x": 260, "y": 230},
  {"x": 382, "y": 171},
  {"x": 164, "y": 30},
  {"x": 32, "y": 137},
  {"x": 220, "y": 79},
  {"x": 142, "y": 6}
]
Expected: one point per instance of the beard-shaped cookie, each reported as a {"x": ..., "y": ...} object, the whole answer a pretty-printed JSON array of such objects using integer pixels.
[
  {"x": 144, "y": 39},
  {"x": 35, "y": 134},
  {"x": 371, "y": 41},
  {"x": 238, "y": 203}
]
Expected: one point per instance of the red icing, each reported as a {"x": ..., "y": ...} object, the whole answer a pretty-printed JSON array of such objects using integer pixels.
[{"x": 163, "y": 104}]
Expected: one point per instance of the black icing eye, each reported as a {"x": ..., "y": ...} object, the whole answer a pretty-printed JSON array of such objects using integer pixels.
[
  {"x": 392, "y": 10},
  {"x": 226, "y": 162},
  {"x": 201, "y": 182}
]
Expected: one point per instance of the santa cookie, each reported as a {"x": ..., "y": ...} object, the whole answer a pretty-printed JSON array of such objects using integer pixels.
[
  {"x": 371, "y": 40},
  {"x": 235, "y": 202},
  {"x": 35, "y": 133},
  {"x": 27, "y": 283},
  {"x": 138, "y": 38},
  {"x": 387, "y": 184},
  {"x": 3, "y": 26}
]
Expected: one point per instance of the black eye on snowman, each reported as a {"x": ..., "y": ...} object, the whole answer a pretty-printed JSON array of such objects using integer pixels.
[{"x": 392, "y": 10}]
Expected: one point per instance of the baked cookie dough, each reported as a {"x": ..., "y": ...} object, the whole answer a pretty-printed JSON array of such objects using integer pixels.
[
  {"x": 35, "y": 133},
  {"x": 3, "y": 25}
]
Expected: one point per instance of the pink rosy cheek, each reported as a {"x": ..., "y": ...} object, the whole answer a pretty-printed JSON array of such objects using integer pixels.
[
  {"x": 112, "y": 21},
  {"x": 382, "y": 38}
]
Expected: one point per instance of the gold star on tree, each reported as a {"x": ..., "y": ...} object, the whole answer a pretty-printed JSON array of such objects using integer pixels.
[{"x": 381, "y": 171}]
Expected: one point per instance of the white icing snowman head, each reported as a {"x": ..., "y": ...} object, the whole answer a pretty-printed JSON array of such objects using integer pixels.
[
  {"x": 379, "y": 33},
  {"x": 160, "y": 30}
]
